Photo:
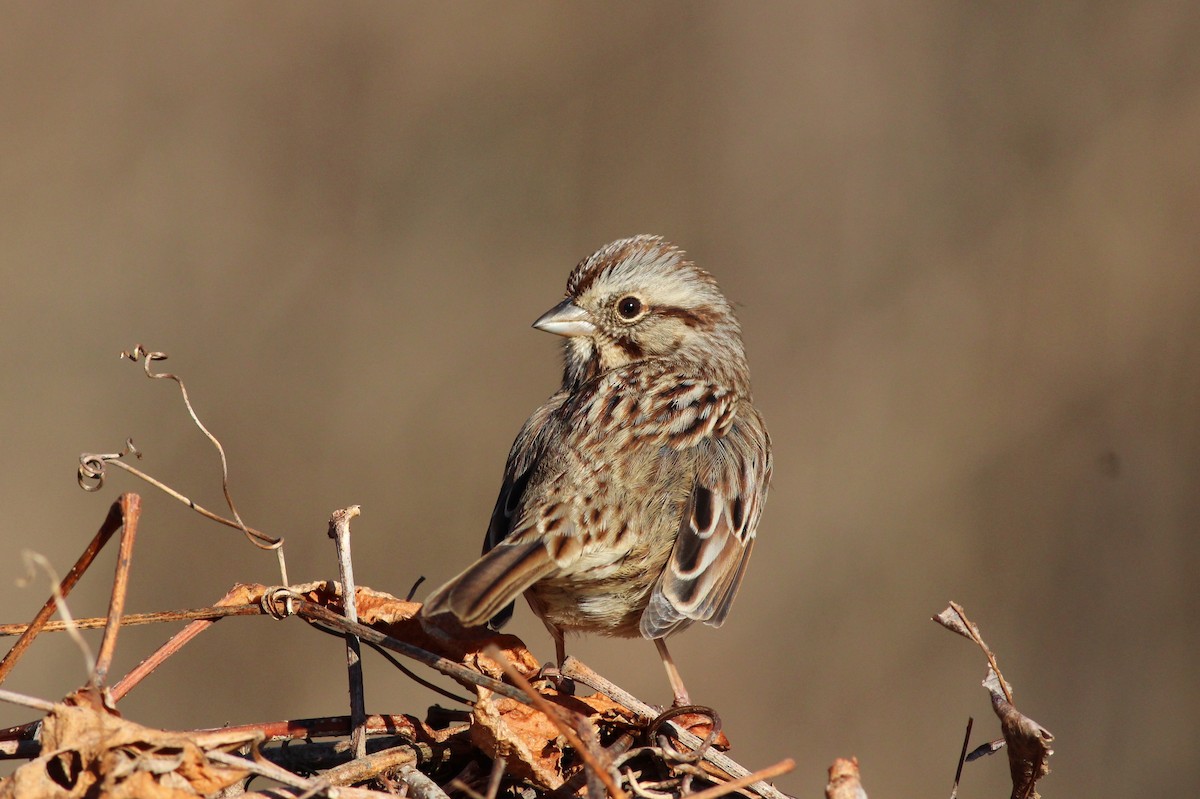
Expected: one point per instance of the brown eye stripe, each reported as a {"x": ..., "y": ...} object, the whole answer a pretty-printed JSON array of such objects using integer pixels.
[{"x": 698, "y": 319}]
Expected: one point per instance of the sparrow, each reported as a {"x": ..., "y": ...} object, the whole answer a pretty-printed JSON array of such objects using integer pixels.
[{"x": 631, "y": 497}]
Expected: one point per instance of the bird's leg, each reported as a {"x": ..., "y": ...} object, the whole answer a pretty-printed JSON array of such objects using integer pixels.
[
  {"x": 550, "y": 671},
  {"x": 560, "y": 644},
  {"x": 677, "y": 687}
]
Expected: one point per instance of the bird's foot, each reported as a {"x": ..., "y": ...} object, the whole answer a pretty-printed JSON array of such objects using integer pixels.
[
  {"x": 550, "y": 676},
  {"x": 699, "y": 720}
]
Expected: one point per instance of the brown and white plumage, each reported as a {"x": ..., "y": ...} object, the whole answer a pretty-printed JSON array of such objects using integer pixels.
[{"x": 631, "y": 497}]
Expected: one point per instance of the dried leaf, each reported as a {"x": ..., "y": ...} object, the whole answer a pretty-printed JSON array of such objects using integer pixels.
[
  {"x": 522, "y": 737},
  {"x": 996, "y": 685},
  {"x": 89, "y": 752},
  {"x": 952, "y": 621},
  {"x": 529, "y": 743},
  {"x": 1027, "y": 743}
]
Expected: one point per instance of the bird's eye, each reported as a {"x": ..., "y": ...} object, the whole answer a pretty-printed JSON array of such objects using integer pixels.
[{"x": 629, "y": 307}]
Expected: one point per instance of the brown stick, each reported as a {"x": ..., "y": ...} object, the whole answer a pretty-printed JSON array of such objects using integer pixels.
[
  {"x": 315, "y": 786},
  {"x": 177, "y": 642},
  {"x": 782, "y": 767},
  {"x": 131, "y": 511},
  {"x": 962, "y": 758},
  {"x": 367, "y": 767},
  {"x": 419, "y": 785},
  {"x": 339, "y": 531},
  {"x": 136, "y": 619},
  {"x": 324, "y": 727},
  {"x": 111, "y": 524}
]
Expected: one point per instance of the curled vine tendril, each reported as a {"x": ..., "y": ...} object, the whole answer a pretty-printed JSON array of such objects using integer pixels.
[
  {"x": 92, "y": 466},
  {"x": 91, "y": 471}
]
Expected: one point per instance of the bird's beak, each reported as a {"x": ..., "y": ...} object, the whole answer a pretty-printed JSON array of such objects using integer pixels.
[{"x": 566, "y": 319}]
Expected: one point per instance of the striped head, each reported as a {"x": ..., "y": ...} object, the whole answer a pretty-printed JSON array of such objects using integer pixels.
[{"x": 639, "y": 299}]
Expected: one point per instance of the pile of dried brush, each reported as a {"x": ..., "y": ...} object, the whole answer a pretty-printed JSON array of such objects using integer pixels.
[{"x": 518, "y": 734}]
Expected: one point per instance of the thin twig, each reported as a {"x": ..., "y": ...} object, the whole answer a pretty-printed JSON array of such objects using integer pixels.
[
  {"x": 962, "y": 758},
  {"x": 419, "y": 785},
  {"x": 147, "y": 357},
  {"x": 111, "y": 524},
  {"x": 551, "y": 712},
  {"x": 92, "y": 465},
  {"x": 265, "y": 768},
  {"x": 410, "y": 674},
  {"x": 160, "y": 655},
  {"x": 323, "y": 727},
  {"x": 339, "y": 531},
  {"x": 131, "y": 509},
  {"x": 407, "y": 672},
  {"x": 770, "y": 772},
  {"x": 24, "y": 699},
  {"x": 365, "y": 767},
  {"x": 35, "y": 561},
  {"x": 137, "y": 619},
  {"x": 496, "y": 777}
]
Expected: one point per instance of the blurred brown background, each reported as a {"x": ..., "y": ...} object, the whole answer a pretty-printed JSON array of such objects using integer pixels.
[{"x": 963, "y": 239}]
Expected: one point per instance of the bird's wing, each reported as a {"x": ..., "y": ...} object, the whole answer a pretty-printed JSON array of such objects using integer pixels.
[
  {"x": 717, "y": 530},
  {"x": 486, "y": 591}
]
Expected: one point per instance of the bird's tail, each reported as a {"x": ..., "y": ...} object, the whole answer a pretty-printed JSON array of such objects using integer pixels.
[{"x": 491, "y": 583}]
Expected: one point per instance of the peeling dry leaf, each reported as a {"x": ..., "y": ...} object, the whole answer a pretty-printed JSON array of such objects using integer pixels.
[
  {"x": 952, "y": 618},
  {"x": 92, "y": 753},
  {"x": 996, "y": 685},
  {"x": 529, "y": 743},
  {"x": 1028, "y": 743}
]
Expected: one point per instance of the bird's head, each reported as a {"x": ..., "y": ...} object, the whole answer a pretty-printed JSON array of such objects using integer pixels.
[{"x": 639, "y": 299}]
